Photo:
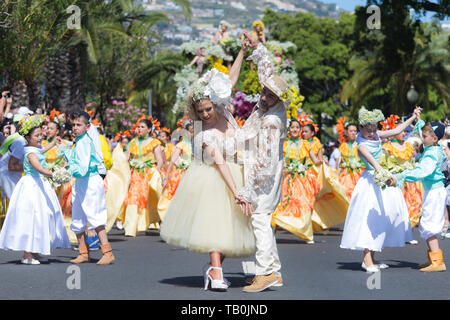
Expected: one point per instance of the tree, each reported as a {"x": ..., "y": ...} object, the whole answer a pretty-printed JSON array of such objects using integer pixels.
[
  {"x": 323, "y": 51},
  {"x": 387, "y": 62}
]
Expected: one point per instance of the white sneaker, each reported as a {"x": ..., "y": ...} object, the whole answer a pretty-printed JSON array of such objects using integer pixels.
[
  {"x": 412, "y": 242},
  {"x": 381, "y": 266},
  {"x": 119, "y": 225},
  {"x": 372, "y": 268},
  {"x": 310, "y": 242}
]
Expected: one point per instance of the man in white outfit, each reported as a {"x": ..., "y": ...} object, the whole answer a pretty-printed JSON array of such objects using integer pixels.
[{"x": 263, "y": 134}]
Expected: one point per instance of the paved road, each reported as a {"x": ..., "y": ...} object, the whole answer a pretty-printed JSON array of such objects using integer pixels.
[{"x": 148, "y": 268}]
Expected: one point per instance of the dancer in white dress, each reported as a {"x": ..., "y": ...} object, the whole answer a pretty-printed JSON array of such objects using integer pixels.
[
  {"x": 204, "y": 215},
  {"x": 34, "y": 221},
  {"x": 376, "y": 218}
]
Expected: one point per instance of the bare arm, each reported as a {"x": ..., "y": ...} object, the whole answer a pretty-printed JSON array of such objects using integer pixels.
[
  {"x": 33, "y": 159},
  {"x": 193, "y": 61},
  {"x": 236, "y": 67},
  {"x": 160, "y": 158},
  {"x": 364, "y": 152},
  {"x": 176, "y": 153},
  {"x": 14, "y": 165},
  {"x": 315, "y": 160},
  {"x": 50, "y": 145},
  {"x": 401, "y": 127}
]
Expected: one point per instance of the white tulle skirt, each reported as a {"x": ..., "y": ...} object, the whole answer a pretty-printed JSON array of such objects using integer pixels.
[
  {"x": 34, "y": 221},
  {"x": 376, "y": 218},
  {"x": 203, "y": 216}
]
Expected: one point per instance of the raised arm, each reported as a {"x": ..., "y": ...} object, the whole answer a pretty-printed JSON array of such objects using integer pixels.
[
  {"x": 237, "y": 64},
  {"x": 401, "y": 127}
]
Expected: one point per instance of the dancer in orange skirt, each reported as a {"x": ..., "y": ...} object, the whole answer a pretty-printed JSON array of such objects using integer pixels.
[
  {"x": 299, "y": 188},
  {"x": 350, "y": 165},
  {"x": 398, "y": 157},
  {"x": 180, "y": 160}
]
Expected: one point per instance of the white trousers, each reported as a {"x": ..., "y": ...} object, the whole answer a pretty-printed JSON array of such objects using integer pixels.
[
  {"x": 433, "y": 213},
  {"x": 88, "y": 204},
  {"x": 267, "y": 260}
]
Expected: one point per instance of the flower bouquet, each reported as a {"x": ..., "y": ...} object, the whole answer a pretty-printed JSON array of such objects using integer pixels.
[
  {"x": 184, "y": 164},
  {"x": 352, "y": 164},
  {"x": 60, "y": 176},
  {"x": 381, "y": 178},
  {"x": 140, "y": 165}
]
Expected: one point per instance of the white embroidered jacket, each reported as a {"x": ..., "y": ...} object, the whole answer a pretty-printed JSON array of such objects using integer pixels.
[{"x": 262, "y": 138}]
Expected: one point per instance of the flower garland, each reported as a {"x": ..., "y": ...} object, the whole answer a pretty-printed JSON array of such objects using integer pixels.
[
  {"x": 296, "y": 101},
  {"x": 370, "y": 117},
  {"x": 29, "y": 123}
]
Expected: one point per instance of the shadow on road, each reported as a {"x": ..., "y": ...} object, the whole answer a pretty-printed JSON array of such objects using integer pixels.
[{"x": 197, "y": 281}]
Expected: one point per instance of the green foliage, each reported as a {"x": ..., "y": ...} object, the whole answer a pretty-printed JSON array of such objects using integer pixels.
[{"x": 251, "y": 83}]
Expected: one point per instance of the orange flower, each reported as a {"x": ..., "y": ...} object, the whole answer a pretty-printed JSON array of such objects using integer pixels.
[
  {"x": 390, "y": 123},
  {"x": 340, "y": 128},
  {"x": 240, "y": 121},
  {"x": 53, "y": 114}
]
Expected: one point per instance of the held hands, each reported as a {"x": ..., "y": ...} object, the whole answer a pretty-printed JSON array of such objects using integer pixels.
[
  {"x": 246, "y": 207},
  {"x": 417, "y": 112},
  {"x": 252, "y": 43},
  {"x": 392, "y": 182}
]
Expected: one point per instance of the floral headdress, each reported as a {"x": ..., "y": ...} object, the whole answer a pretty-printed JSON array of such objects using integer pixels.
[
  {"x": 390, "y": 123},
  {"x": 260, "y": 23},
  {"x": 121, "y": 134},
  {"x": 53, "y": 117},
  {"x": 156, "y": 124},
  {"x": 340, "y": 128},
  {"x": 29, "y": 123},
  {"x": 304, "y": 120},
  {"x": 366, "y": 116},
  {"x": 214, "y": 85},
  {"x": 164, "y": 129},
  {"x": 184, "y": 122}
]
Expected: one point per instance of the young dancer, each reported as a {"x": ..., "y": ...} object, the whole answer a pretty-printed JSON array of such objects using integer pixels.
[
  {"x": 429, "y": 171},
  {"x": 34, "y": 222},
  {"x": 88, "y": 194},
  {"x": 376, "y": 218}
]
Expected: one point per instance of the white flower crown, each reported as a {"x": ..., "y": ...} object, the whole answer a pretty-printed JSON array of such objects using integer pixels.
[
  {"x": 365, "y": 116},
  {"x": 215, "y": 86}
]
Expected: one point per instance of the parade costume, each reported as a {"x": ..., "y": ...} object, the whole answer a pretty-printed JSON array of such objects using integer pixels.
[
  {"x": 376, "y": 218},
  {"x": 117, "y": 182},
  {"x": 12, "y": 146},
  {"x": 34, "y": 221},
  {"x": 203, "y": 216},
  {"x": 429, "y": 171},
  {"x": 88, "y": 192},
  {"x": 144, "y": 188},
  {"x": 350, "y": 165},
  {"x": 299, "y": 189},
  {"x": 63, "y": 192},
  {"x": 175, "y": 176},
  {"x": 265, "y": 129}
]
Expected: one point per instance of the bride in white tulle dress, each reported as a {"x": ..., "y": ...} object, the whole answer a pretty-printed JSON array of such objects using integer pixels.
[{"x": 205, "y": 215}]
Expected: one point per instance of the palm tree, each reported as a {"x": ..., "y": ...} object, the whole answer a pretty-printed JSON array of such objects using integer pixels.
[{"x": 427, "y": 69}]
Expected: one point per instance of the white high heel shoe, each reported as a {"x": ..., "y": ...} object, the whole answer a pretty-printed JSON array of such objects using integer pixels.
[
  {"x": 219, "y": 285},
  {"x": 207, "y": 265},
  {"x": 372, "y": 268}
]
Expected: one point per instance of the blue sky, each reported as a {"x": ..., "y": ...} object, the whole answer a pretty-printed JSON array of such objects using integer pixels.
[{"x": 349, "y": 5}]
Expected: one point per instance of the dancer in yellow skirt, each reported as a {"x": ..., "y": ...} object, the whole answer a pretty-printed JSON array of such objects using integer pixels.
[
  {"x": 331, "y": 204},
  {"x": 299, "y": 188},
  {"x": 52, "y": 157},
  {"x": 146, "y": 160},
  {"x": 180, "y": 159},
  {"x": 399, "y": 156},
  {"x": 350, "y": 165},
  {"x": 117, "y": 182}
]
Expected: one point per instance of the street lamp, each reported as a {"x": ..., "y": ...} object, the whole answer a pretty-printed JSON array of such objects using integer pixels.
[{"x": 412, "y": 95}]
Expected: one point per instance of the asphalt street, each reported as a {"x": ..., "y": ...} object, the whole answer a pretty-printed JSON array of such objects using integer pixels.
[{"x": 146, "y": 268}]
